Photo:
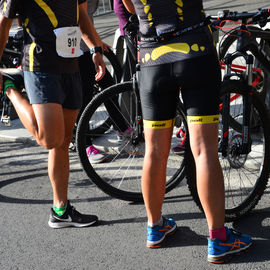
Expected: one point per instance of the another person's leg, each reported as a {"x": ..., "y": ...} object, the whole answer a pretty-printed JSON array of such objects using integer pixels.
[{"x": 87, "y": 72}]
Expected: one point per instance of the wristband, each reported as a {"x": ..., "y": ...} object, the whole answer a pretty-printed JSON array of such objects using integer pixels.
[{"x": 96, "y": 49}]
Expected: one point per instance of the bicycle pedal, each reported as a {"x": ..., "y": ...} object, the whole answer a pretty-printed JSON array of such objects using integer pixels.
[{"x": 6, "y": 120}]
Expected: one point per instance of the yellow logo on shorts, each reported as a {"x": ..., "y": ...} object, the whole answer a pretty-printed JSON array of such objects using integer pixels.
[
  {"x": 203, "y": 119},
  {"x": 159, "y": 124}
]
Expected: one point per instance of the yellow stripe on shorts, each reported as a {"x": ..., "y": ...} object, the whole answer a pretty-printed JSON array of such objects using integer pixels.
[
  {"x": 203, "y": 119},
  {"x": 159, "y": 124}
]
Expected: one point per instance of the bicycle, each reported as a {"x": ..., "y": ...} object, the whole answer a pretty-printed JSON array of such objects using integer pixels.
[
  {"x": 249, "y": 36},
  {"x": 11, "y": 58},
  {"x": 12, "y": 53},
  {"x": 244, "y": 146},
  {"x": 125, "y": 48}
]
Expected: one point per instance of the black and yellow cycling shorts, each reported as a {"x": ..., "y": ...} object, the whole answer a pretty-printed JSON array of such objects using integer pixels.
[{"x": 199, "y": 81}]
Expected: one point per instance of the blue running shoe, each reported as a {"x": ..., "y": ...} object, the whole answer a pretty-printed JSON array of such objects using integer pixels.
[
  {"x": 157, "y": 234},
  {"x": 222, "y": 251}
]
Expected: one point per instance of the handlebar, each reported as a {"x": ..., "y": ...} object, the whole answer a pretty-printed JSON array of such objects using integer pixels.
[
  {"x": 260, "y": 17},
  {"x": 132, "y": 25}
]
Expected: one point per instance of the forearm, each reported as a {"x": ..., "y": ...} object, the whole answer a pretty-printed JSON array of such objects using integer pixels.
[
  {"x": 129, "y": 6},
  {"x": 5, "y": 25},
  {"x": 89, "y": 33}
]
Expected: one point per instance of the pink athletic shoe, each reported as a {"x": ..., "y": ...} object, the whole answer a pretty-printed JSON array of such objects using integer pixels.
[{"x": 94, "y": 155}]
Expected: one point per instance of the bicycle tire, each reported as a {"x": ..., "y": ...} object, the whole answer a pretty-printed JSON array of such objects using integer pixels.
[
  {"x": 250, "y": 173},
  {"x": 229, "y": 45},
  {"x": 114, "y": 67},
  {"x": 120, "y": 176}
]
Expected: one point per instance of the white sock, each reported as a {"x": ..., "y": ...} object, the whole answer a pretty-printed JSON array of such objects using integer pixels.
[{"x": 158, "y": 223}]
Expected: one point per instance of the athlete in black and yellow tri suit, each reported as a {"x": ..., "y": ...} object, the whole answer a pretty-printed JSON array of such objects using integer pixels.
[
  {"x": 169, "y": 62},
  {"x": 52, "y": 34},
  {"x": 177, "y": 53}
]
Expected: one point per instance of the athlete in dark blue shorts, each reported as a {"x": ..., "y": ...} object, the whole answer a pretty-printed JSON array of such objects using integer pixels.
[
  {"x": 52, "y": 33},
  {"x": 177, "y": 53}
]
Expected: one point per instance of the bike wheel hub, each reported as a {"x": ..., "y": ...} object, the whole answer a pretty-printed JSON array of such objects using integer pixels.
[{"x": 235, "y": 157}]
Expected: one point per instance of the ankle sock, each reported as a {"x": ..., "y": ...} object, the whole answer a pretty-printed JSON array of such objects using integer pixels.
[
  {"x": 158, "y": 223},
  {"x": 218, "y": 234},
  {"x": 7, "y": 84},
  {"x": 60, "y": 210}
]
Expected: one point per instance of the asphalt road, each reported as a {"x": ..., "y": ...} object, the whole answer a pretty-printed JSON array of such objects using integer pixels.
[{"x": 118, "y": 242}]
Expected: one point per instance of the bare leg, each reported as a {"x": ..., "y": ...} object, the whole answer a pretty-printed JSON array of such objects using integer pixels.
[
  {"x": 157, "y": 148},
  {"x": 210, "y": 183},
  {"x": 41, "y": 120},
  {"x": 52, "y": 127},
  {"x": 58, "y": 162}
]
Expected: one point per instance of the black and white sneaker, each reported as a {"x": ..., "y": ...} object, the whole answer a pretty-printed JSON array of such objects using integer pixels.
[{"x": 71, "y": 218}]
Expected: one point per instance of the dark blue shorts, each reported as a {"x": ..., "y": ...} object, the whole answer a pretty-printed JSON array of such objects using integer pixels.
[{"x": 64, "y": 89}]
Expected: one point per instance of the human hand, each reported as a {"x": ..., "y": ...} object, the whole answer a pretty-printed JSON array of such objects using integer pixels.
[{"x": 99, "y": 65}]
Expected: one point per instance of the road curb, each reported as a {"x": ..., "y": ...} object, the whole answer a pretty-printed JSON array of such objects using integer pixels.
[{"x": 25, "y": 140}]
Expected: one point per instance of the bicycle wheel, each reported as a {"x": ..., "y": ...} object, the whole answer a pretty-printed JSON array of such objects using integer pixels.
[
  {"x": 245, "y": 176},
  {"x": 115, "y": 71},
  {"x": 120, "y": 176},
  {"x": 229, "y": 45}
]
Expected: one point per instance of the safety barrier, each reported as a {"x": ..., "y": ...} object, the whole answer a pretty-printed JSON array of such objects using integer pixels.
[{"x": 104, "y": 6}]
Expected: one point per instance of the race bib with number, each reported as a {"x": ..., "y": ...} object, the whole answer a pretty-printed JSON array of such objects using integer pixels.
[{"x": 68, "y": 41}]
